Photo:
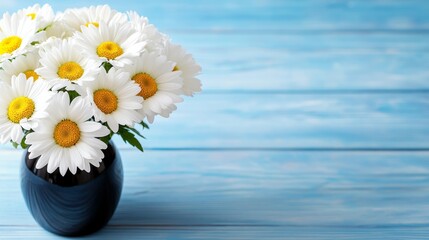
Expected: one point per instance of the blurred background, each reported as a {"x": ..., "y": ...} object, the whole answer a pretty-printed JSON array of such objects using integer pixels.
[{"x": 313, "y": 114}]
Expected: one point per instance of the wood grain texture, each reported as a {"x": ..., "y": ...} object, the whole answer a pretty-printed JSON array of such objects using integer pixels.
[
  {"x": 295, "y": 121},
  {"x": 310, "y": 62},
  {"x": 251, "y": 120},
  {"x": 313, "y": 124},
  {"x": 272, "y": 15},
  {"x": 248, "y": 193},
  {"x": 280, "y": 233}
]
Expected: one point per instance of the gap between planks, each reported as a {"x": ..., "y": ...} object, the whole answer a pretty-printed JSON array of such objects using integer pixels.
[
  {"x": 317, "y": 91},
  {"x": 349, "y": 31},
  {"x": 285, "y": 149}
]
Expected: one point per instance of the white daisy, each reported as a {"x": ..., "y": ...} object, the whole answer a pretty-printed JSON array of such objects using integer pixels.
[
  {"x": 46, "y": 46},
  {"x": 75, "y": 19},
  {"x": 26, "y": 64},
  {"x": 57, "y": 28},
  {"x": 67, "y": 139},
  {"x": 166, "y": 112},
  {"x": 160, "y": 85},
  {"x": 17, "y": 33},
  {"x": 21, "y": 104},
  {"x": 62, "y": 64},
  {"x": 149, "y": 32},
  {"x": 42, "y": 15},
  {"x": 114, "y": 43},
  {"x": 115, "y": 99},
  {"x": 187, "y": 65}
]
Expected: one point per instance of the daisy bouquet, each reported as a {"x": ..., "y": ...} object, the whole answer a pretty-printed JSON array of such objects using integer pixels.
[{"x": 71, "y": 80}]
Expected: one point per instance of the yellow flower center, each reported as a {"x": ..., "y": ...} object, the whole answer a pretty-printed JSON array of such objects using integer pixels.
[
  {"x": 147, "y": 85},
  {"x": 32, "y": 15},
  {"x": 66, "y": 133},
  {"x": 175, "y": 68},
  {"x": 70, "y": 71},
  {"x": 10, "y": 44},
  {"x": 92, "y": 23},
  {"x": 19, "y": 108},
  {"x": 31, "y": 73},
  {"x": 109, "y": 50},
  {"x": 106, "y": 100}
]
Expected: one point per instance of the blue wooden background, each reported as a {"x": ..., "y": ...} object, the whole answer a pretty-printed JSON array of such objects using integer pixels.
[{"x": 313, "y": 124}]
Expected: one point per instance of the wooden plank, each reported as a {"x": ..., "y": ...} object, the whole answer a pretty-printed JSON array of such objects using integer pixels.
[
  {"x": 272, "y": 15},
  {"x": 327, "y": 193},
  {"x": 316, "y": 62},
  {"x": 263, "y": 69},
  {"x": 286, "y": 83},
  {"x": 252, "y": 120},
  {"x": 281, "y": 233},
  {"x": 294, "y": 121},
  {"x": 317, "y": 42},
  {"x": 306, "y": 60}
]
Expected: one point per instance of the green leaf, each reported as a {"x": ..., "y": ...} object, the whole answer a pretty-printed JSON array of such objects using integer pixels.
[
  {"x": 63, "y": 89},
  {"x": 14, "y": 144},
  {"x": 107, "y": 66},
  {"x": 128, "y": 137},
  {"x": 73, "y": 95},
  {"x": 107, "y": 138},
  {"x": 44, "y": 29},
  {"x": 136, "y": 132},
  {"x": 23, "y": 144},
  {"x": 144, "y": 125}
]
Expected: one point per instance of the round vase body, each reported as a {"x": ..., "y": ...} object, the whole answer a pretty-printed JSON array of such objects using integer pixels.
[{"x": 73, "y": 205}]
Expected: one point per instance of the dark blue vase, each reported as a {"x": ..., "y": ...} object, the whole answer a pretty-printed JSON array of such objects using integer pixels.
[{"x": 73, "y": 205}]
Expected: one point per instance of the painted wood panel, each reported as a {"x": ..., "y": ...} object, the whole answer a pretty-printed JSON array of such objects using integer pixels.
[
  {"x": 270, "y": 120},
  {"x": 295, "y": 60},
  {"x": 312, "y": 125},
  {"x": 295, "y": 121},
  {"x": 270, "y": 15},
  {"x": 239, "y": 232},
  {"x": 310, "y": 62},
  {"x": 329, "y": 193}
]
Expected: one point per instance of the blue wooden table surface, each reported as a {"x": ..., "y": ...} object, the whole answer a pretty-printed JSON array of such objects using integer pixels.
[{"x": 313, "y": 124}]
